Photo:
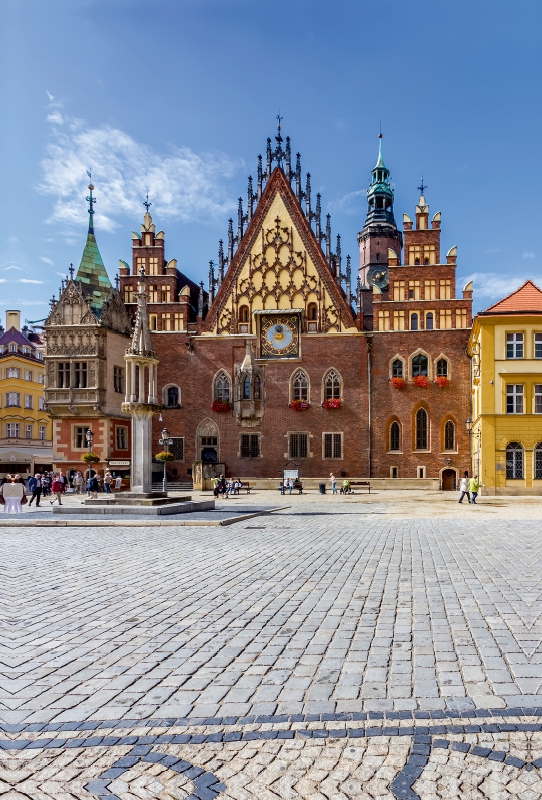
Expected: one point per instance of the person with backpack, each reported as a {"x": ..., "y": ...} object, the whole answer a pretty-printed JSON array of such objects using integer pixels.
[{"x": 34, "y": 484}]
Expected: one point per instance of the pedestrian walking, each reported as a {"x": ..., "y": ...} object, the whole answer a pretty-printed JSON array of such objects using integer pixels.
[
  {"x": 93, "y": 487},
  {"x": 57, "y": 488},
  {"x": 108, "y": 480},
  {"x": 78, "y": 483},
  {"x": 333, "y": 483},
  {"x": 474, "y": 488},
  {"x": 34, "y": 484},
  {"x": 464, "y": 487}
]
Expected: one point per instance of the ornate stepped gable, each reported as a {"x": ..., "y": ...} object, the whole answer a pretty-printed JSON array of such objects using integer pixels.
[{"x": 279, "y": 263}]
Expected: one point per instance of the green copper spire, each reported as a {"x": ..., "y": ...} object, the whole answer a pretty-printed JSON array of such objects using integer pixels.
[
  {"x": 91, "y": 273},
  {"x": 380, "y": 162}
]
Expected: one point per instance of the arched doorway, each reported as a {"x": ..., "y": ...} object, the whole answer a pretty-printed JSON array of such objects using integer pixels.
[
  {"x": 207, "y": 441},
  {"x": 448, "y": 480}
]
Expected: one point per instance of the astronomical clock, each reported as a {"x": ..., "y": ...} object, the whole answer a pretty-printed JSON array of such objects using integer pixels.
[
  {"x": 279, "y": 336},
  {"x": 378, "y": 276}
]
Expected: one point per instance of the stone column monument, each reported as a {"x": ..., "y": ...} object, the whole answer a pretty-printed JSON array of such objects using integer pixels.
[{"x": 141, "y": 401}]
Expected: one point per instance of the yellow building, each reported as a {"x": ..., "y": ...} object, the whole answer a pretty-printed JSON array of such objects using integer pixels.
[
  {"x": 506, "y": 351},
  {"x": 26, "y": 444}
]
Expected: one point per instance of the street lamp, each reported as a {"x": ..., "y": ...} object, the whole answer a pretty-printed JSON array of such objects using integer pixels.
[
  {"x": 89, "y": 435},
  {"x": 165, "y": 441}
]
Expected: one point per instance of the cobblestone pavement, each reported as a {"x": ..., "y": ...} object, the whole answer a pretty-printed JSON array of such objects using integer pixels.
[{"x": 331, "y": 650}]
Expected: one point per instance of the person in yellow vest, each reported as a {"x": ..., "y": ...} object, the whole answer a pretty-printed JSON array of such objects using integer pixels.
[{"x": 474, "y": 488}]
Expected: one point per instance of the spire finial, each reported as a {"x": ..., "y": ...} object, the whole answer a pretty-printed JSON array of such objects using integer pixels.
[
  {"x": 71, "y": 271},
  {"x": 91, "y": 202},
  {"x": 278, "y": 136},
  {"x": 422, "y": 187},
  {"x": 146, "y": 202}
]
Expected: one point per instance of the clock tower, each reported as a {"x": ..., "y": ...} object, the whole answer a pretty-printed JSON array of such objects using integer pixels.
[{"x": 380, "y": 232}]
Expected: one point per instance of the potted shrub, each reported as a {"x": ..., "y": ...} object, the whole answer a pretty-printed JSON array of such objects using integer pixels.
[
  {"x": 299, "y": 405},
  {"x": 220, "y": 407},
  {"x": 442, "y": 381},
  {"x": 398, "y": 383},
  {"x": 421, "y": 381},
  {"x": 332, "y": 404}
]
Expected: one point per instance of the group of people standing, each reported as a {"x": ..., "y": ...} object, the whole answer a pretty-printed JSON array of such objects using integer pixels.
[
  {"x": 224, "y": 487},
  {"x": 52, "y": 485}
]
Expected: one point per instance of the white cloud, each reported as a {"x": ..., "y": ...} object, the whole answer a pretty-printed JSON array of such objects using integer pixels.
[
  {"x": 13, "y": 267},
  {"x": 27, "y": 280},
  {"x": 491, "y": 286},
  {"x": 56, "y": 117},
  {"x": 17, "y": 303},
  {"x": 182, "y": 184},
  {"x": 47, "y": 260},
  {"x": 4, "y": 280},
  {"x": 528, "y": 255},
  {"x": 348, "y": 204}
]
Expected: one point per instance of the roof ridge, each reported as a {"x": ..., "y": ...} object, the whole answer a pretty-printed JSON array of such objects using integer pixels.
[{"x": 494, "y": 306}]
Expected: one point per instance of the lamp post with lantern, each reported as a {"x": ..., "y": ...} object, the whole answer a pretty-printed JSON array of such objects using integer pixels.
[
  {"x": 166, "y": 442},
  {"x": 89, "y": 436}
]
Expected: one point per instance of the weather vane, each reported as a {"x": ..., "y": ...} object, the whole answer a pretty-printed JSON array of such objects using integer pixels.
[
  {"x": 422, "y": 187},
  {"x": 279, "y": 121},
  {"x": 147, "y": 203},
  {"x": 71, "y": 271}
]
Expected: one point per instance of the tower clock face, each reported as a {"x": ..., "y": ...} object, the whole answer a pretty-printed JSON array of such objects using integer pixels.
[
  {"x": 378, "y": 276},
  {"x": 279, "y": 336}
]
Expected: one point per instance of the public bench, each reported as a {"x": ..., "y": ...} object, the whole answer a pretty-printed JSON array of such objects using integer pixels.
[
  {"x": 363, "y": 484},
  {"x": 242, "y": 485},
  {"x": 297, "y": 485}
]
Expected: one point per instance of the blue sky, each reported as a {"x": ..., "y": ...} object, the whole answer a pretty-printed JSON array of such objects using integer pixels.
[{"x": 180, "y": 95}]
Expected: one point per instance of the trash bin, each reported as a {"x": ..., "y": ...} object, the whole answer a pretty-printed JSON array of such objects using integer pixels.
[{"x": 322, "y": 488}]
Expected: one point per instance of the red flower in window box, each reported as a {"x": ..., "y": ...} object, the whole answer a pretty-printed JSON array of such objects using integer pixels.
[
  {"x": 442, "y": 381},
  {"x": 220, "y": 407},
  {"x": 398, "y": 383},
  {"x": 299, "y": 405},
  {"x": 331, "y": 404},
  {"x": 421, "y": 381}
]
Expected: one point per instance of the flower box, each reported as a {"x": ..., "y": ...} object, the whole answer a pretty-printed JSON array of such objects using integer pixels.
[
  {"x": 421, "y": 381},
  {"x": 220, "y": 407},
  {"x": 332, "y": 404},
  {"x": 299, "y": 405},
  {"x": 442, "y": 382},
  {"x": 163, "y": 456},
  {"x": 398, "y": 383}
]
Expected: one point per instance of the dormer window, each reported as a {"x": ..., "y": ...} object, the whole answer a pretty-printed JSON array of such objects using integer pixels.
[{"x": 12, "y": 347}]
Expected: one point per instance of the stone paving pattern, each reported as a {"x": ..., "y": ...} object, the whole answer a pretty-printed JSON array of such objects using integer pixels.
[{"x": 330, "y": 617}]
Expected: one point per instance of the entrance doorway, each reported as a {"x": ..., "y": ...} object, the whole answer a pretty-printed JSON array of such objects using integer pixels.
[{"x": 448, "y": 480}]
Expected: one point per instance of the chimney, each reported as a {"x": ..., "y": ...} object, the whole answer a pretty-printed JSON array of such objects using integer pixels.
[{"x": 13, "y": 320}]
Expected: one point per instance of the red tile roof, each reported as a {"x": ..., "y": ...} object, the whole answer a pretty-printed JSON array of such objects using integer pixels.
[{"x": 526, "y": 299}]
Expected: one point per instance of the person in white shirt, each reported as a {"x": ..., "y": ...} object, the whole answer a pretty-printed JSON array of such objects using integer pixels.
[{"x": 464, "y": 487}]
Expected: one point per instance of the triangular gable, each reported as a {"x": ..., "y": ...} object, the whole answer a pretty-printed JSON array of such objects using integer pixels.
[
  {"x": 528, "y": 298},
  {"x": 279, "y": 265},
  {"x": 13, "y": 335}
]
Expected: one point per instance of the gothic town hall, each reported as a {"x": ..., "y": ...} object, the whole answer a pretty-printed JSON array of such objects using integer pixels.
[{"x": 290, "y": 354}]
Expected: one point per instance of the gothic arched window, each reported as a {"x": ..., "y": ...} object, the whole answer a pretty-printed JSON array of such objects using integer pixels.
[
  {"x": 222, "y": 388},
  {"x": 514, "y": 460},
  {"x": 332, "y": 386},
  {"x": 420, "y": 365},
  {"x": 171, "y": 396},
  {"x": 300, "y": 386},
  {"x": 246, "y": 388},
  {"x": 243, "y": 314},
  {"x": 397, "y": 368},
  {"x": 422, "y": 429},
  {"x": 429, "y": 321},
  {"x": 395, "y": 436},
  {"x": 449, "y": 435},
  {"x": 414, "y": 322},
  {"x": 442, "y": 368}
]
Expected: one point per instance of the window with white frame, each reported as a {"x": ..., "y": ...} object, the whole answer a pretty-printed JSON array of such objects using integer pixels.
[
  {"x": 29, "y": 430},
  {"x": 538, "y": 398},
  {"x": 13, "y": 372},
  {"x": 538, "y": 345},
  {"x": 41, "y": 404},
  {"x": 13, "y": 430},
  {"x": 333, "y": 445},
  {"x": 13, "y": 399},
  {"x": 514, "y": 345},
  {"x": 41, "y": 379},
  {"x": 12, "y": 347},
  {"x": 514, "y": 460},
  {"x": 298, "y": 445},
  {"x": 28, "y": 375},
  {"x": 42, "y": 431},
  {"x": 28, "y": 401},
  {"x": 514, "y": 398}
]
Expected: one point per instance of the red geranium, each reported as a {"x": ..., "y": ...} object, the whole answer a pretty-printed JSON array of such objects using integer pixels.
[
  {"x": 398, "y": 383},
  {"x": 299, "y": 405},
  {"x": 220, "y": 407},
  {"x": 442, "y": 381},
  {"x": 329, "y": 404},
  {"x": 422, "y": 381}
]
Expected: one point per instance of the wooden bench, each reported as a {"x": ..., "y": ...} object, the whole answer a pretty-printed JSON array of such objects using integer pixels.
[
  {"x": 366, "y": 484},
  {"x": 297, "y": 485},
  {"x": 244, "y": 485}
]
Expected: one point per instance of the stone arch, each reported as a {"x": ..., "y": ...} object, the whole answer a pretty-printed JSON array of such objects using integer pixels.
[
  {"x": 207, "y": 440},
  {"x": 300, "y": 385},
  {"x": 443, "y": 357},
  {"x": 393, "y": 359},
  {"x": 168, "y": 395},
  {"x": 420, "y": 352}
]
